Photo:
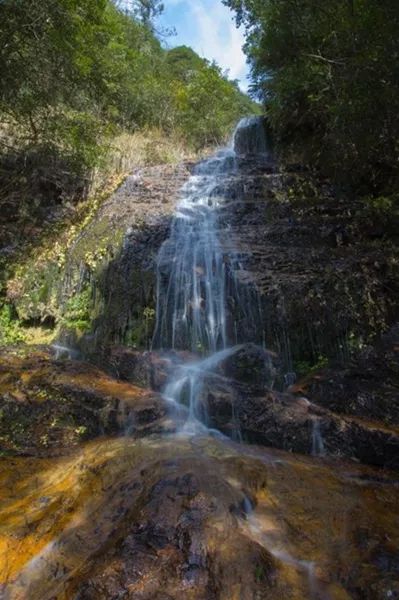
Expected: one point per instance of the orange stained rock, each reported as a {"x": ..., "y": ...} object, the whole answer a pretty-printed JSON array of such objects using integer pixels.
[
  {"x": 38, "y": 366},
  {"x": 324, "y": 522}
]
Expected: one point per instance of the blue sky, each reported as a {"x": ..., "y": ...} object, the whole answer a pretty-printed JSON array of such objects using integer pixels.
[{"x": 208, "y": 27}]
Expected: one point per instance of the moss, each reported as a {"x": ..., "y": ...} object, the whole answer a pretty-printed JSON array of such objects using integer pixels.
[
  {"x": 139, "y": 333},
  {"x": 303, "y": 367},
  {"x": 301, "y": 190},
  {"x": 38, "y": 296},
  {"x": 44, "y": 284},
  {"x": 10, "y": 328},
  {"x": 77, "y": 313},
  {"x": 383, "y": 215},
  {"x": 98, "y": 242},
  {"x": 36, "y": 336}
]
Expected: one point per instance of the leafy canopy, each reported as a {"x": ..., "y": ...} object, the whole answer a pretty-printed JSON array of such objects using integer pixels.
[
  {"x": 328, "y": 74},
  {"x": 75, "y": 71}
]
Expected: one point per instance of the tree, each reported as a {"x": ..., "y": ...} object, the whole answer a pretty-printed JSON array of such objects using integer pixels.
[
  {"x": 144, "y": 10},
  {"x": 328, "y": 75},
  {"x": 73, "y": 72}
]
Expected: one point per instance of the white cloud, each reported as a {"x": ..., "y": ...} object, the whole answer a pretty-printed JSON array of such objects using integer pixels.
[{"x": 211, "y": 31}]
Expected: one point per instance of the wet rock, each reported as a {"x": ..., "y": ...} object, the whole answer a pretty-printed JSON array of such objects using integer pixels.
[
  {"x": 150, "y": 369},
  {"x": 327, "y": 287},
  {"x": 49, "y": 406},
  {"x": 250, "y": 137},
  {"x": 367, "y": 386},
  {"x": 295, "y": 424},
  {"x": 253, "y": 365},
  {"x": 161, "y": 518},
  {"x": 284, "y": 421}
]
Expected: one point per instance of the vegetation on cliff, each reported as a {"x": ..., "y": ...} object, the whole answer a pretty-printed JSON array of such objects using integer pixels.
[
  {"x": 75, "y": 73},
  {"x": 327, "y": 73},
  {"x": 87, "y": 92}
]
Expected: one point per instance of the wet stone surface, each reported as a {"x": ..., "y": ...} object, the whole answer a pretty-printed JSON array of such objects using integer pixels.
[
  {"x": 48, "y": 406},
  {"x": 175, "y": 516},
  {"x": 172, "y": 518}
]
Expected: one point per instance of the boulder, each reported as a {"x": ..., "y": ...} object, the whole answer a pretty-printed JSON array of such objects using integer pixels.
[{"x": 252, "y": 365}]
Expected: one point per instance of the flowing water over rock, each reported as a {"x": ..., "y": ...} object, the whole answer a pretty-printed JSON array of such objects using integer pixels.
[
  {"x": 192, "y": 273},
  {"x": 198, "y": 518},
  {"x": 162, "y": 505},
  {"x": 199, "y": 298}
]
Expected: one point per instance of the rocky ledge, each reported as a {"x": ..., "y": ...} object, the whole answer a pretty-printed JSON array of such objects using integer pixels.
[
  {"x": 49, "y": 406},
  {"x": 325, "y": 414}
]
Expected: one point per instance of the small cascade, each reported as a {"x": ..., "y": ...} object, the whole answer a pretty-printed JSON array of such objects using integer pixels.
[
  {"x": 272, "y": 540},
  {"x": 64, "y": 352},
  {"x": 318, "y": 448},
  {"x": 187, "y": 386},
  {"x": 250, "y": 137},
  {"x": 200, "y": 299}
]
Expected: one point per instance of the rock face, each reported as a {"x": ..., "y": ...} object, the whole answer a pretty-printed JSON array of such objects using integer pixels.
[
  {"x": 297, "y": 425},
  {"x": 48, "y": 406},
  {"x": 325, "y": 266},
  {"x": 125, "y": 283},
  {"x": 368, "y": 386},
  {"x": 328, "y": 284},
  {"x": 96, "y": 285}
]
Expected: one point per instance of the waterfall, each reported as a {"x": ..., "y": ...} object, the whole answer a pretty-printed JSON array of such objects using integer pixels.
[
  {"x": 250, "y": 138},
  {"x": 191, "y": 307},
  {"x": 199, "y": 296},
  {"x": 196, "y": 275}
]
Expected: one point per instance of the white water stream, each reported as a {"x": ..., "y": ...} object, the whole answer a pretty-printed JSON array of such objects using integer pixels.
[{"x": 197, "y": 288}]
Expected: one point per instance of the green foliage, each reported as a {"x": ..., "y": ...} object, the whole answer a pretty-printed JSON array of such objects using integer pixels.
[
  {"x": 75, "y": 72},
  {"x": 328, "y": 74},
  {"x": 144, "y": 10},
  {"x": 382, "y": 207},
  {"x": 304, "y": 367},
  {"x": 182, "y": 62},
  {"x": 207, "y": 105},
  {"x": 77, "y": 313},
  {"x": 10, "y": 330}
]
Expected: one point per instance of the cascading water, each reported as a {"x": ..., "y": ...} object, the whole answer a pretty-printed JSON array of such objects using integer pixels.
[
  {"x": 249, "y": 137},
  {"x": 318, "y": 448},
  {"x": 191, "y": 307},
  {"x": 198, "y": 295}
]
